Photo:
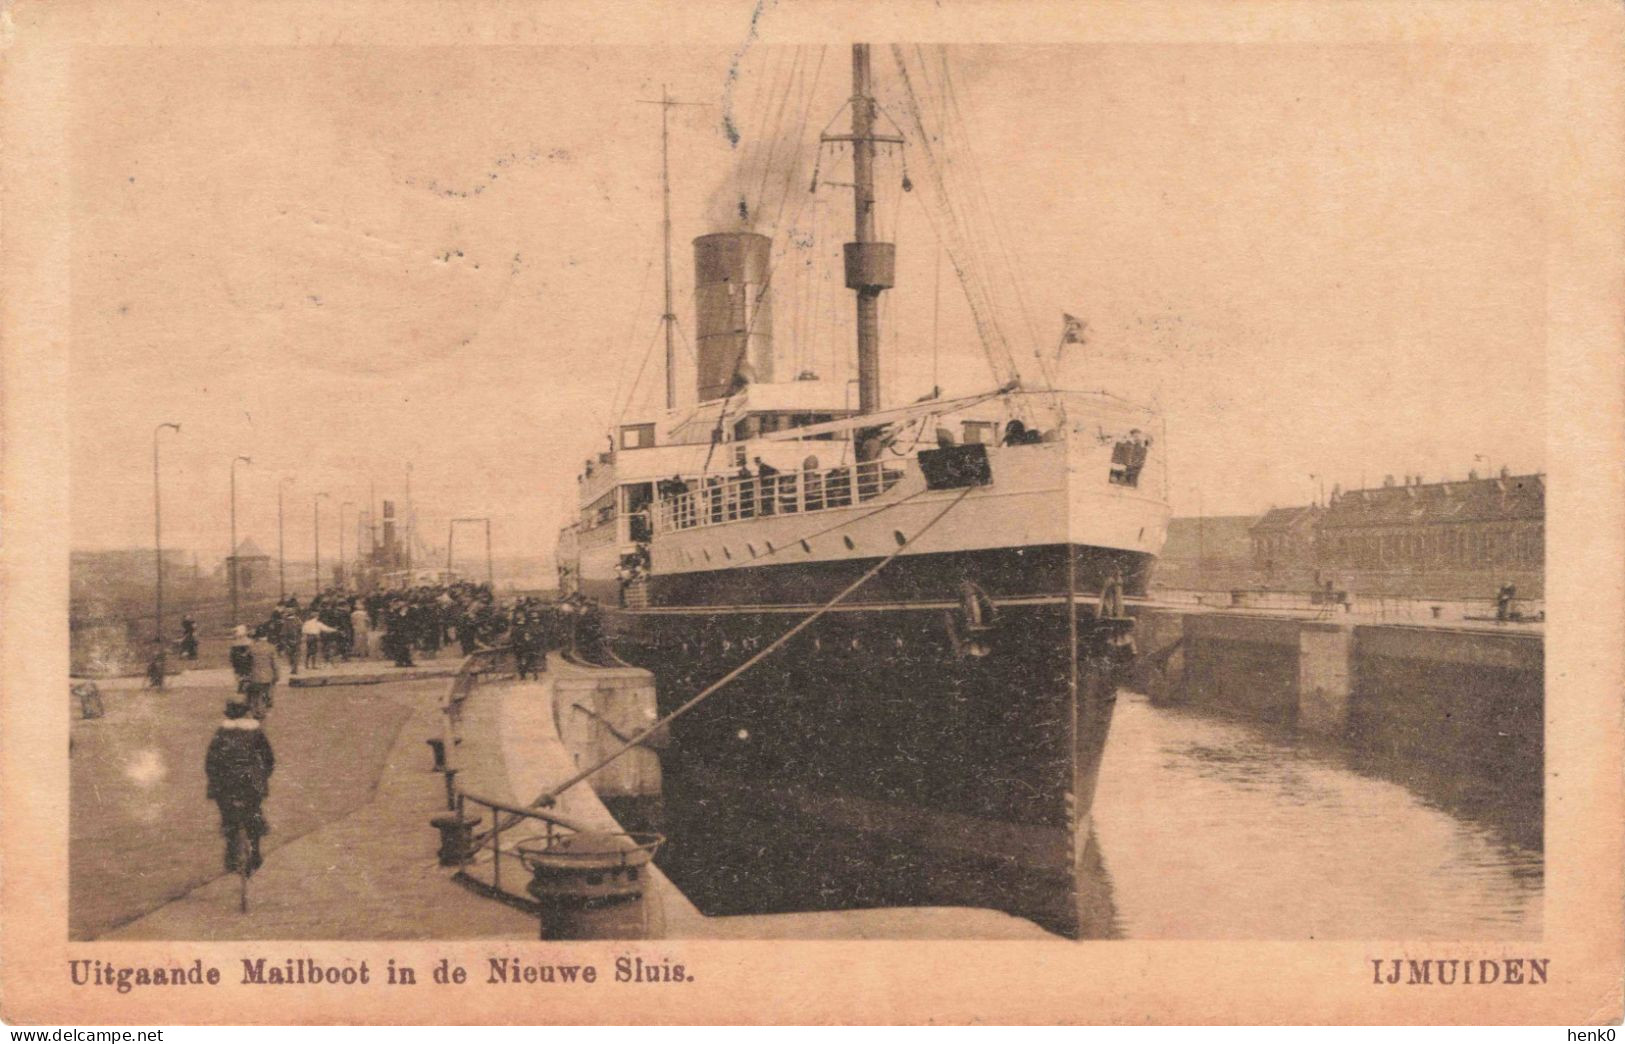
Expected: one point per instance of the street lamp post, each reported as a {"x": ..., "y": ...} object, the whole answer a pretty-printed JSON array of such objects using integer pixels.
[
  {"x": 231, "y": 562},
  {"x": 451, "y": 533},
  {"x": 342, "y": 572},
  {"x": 281, "y": 562},
  {"x": 316, "y": 528},
  {"x": 158, "y": 550}
]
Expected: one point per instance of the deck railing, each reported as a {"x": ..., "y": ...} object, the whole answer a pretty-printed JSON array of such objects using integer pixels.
[{"x": 717, "y": 500}]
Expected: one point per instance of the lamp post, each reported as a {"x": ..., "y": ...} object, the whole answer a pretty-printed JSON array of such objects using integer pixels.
[
  {"x": 1201, "y": 540},
  {"x": 158, "y": 549},
  {"x": 231, "y": 562},
  {"x": 342, "y": 572},
  {"x": 281, "y": 566},
  {"x": 316, "y": 528},
  {"x": 451, "y": 532}
]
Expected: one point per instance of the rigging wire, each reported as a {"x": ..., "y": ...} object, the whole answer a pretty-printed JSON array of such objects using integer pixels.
[
  {"x": 954, "y": 225},
  {"x": 647, "y": 353},
  {"x": 625, "y": 352},
  {"x": 936, "y": 319},
  {"x": 1000, "y": 230},
  {"x": 956, "y": 242}
]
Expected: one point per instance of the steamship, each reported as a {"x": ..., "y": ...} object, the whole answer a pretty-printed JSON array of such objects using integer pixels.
[{"x": 933, "y": 735}]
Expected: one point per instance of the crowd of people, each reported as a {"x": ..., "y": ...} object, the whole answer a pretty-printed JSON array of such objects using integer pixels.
[{"x": 398, "y": 625}]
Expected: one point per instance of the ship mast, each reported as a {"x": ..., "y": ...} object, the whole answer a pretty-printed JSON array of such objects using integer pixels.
[
  {"x": 869, "y": 264},
  {"x": 669, "y": 318}
]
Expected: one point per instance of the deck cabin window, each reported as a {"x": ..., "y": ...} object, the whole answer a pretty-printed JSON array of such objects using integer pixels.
[
  {"x": 636, "y": 498},
  {"x": 985, "y": 432},
  {"x": 637, "y": 436},
  {"x": 807, "y": 420}
]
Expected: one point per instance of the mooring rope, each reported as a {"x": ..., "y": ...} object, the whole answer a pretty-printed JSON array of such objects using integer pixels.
[{"x": 778, "y": 643}]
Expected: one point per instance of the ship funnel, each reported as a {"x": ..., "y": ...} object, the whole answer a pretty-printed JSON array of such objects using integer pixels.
[{"x": 733, "y": 311}]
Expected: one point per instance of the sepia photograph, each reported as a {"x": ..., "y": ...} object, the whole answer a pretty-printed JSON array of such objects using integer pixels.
[{"x": 920, "y": 488}]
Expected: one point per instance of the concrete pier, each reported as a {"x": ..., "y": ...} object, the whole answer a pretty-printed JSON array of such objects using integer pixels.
[
  {"x": 1454, "y": 692},
  {"x": 1325, "y": 662}
]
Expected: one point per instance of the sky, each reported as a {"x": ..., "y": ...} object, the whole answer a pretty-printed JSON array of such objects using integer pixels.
[{"x": 1321, "y": 260}]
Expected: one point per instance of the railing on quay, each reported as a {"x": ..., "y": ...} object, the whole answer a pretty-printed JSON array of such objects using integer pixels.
[
  {"x": 1398, "y": 608},
  {"x": 475, "y": 666},
  {"x": 518, "y": 821},
  {"x": 505, "y": 817},
  {"x": 716, "y": 500}
]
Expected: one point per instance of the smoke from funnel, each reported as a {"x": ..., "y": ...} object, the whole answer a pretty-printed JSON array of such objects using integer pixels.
[{"x": 772, "y": 156}]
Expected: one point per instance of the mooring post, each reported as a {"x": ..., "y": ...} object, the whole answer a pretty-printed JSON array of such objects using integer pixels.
[
  {"x": 451, "y": 789},
  {"x": 456, "y": 837},
  {"x": 595, "y": 886}
]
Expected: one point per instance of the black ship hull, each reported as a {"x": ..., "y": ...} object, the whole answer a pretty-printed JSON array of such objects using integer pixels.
[{"x": 925, "y": 751}]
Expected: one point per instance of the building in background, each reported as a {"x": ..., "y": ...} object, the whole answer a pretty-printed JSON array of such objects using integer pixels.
[
  {"x": 1452, "y": 538},
  {"x": 253, "y": 567},
  {"x": 1283, "y": 542}
]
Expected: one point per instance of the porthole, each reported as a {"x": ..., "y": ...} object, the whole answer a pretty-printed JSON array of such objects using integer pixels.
[
  {"x": 850, "y": 546},
  {"x": 897, "y": 535},
  {"x": 806, "y": 547},
  {"x": 706, "y": 553},
  {"x": 726, "y": 553},
  {"x": 769, "y": 544},
  {"x": 751, "y": 548}
]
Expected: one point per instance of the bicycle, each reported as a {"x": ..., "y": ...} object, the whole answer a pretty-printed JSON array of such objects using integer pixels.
[{"x": 243, "y": 850}]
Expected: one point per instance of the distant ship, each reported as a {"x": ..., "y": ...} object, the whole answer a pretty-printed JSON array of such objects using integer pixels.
[{"x": 934, "y": 737}]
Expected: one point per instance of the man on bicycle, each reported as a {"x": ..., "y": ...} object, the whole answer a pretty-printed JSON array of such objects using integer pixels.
[{"x": 238, "y": 767}]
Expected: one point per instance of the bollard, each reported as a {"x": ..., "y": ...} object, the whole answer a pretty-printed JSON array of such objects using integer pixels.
[
  {"x": 451, "y": 790},
  {"x": 593, "y": 885},
  {"x": 456, "y": 837},
  {"x": 437, "y": 746}
]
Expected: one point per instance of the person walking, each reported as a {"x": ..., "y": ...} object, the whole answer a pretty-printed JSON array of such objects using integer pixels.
[
  {"x": 522, "y": 637},
  {"x": 262, "y": 676},
  {"x": 241, "y": 657},
  {"x": 313, "y": 629},
  {"x": 290, "y": 637},
  {"x": 238, "y": 767},
  {"x": 361, "y": 630}
]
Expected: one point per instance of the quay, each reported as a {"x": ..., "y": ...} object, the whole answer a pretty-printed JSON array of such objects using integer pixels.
[
  {"x": 356, "y": 858},
  {"x": 1451, "y": 710}
]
